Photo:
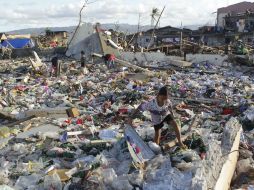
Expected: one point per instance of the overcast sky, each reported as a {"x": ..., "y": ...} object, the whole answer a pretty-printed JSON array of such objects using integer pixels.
[{"x": 19, "y": 14}]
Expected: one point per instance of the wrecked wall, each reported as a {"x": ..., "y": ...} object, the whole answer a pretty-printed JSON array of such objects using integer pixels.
[
  {"x": 143, "y": 57},
  {"x": 84, "y": 31},
  {"x": 89, "y": 45},
  {"x": 212, "y": 58},
  {"x": 161, "y": 57}
]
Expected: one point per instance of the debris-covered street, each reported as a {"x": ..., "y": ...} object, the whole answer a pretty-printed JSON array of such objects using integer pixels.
[
  {"x": 164, "y": 108},
  {"x": 71, "y": 131}
]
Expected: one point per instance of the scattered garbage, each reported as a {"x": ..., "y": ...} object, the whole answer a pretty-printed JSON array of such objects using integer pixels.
[{"x": 72, "y": 132}]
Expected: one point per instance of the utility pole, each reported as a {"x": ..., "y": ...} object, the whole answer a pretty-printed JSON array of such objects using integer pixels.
[
  {"x": 181, "y": 38},
  {"x": 139, "y": 17}
]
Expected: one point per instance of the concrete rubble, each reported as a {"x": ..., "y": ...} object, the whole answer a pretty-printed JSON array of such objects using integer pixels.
[{"x": 71, "y": 132}]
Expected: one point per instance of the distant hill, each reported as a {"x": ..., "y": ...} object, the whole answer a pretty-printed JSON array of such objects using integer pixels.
[
  {"x": 126, "y": 28},
  {"x": 38, "y": 31}
]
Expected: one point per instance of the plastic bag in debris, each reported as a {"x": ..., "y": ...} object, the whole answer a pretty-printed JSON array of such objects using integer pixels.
[
  {"x": 20, "y": 148},
  {"x": 145, "y": 132},
  {"x": 109, "y": 176},
  {"x": 249, "y": 114},
  {"x": 165, "y": 185},
  {"x": 24, "y": 182},
  {"x": 107, "y": 134},
  {"x": 52, "y": 182},
  {"x": 4, "y": 176},
  {"x": 168, "y": 179},
  {"x": 85, "y": 71},
  {"x": 85, "y": 161},
  {"x": 122, "y": 183},
  {"x": 187, "y": 156},
  {"x": 155, "y": 148},
  {"x": 5, "y": 187},
  {"x": 251, "y": 187},
  {"x": 52, "y": 135},
  {"x": 136, "y": 178}
]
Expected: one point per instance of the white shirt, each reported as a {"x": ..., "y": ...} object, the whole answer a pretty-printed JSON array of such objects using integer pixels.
[{"x": 157, "y": 113}]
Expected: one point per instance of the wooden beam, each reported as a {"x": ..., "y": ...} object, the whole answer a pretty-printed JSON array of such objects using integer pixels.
[
  {"x": 20, "y": 121},
  {"x": 126, "y": 64},
  {"x": 228, "y": 169},
  {"x": 174, "y": 142}
]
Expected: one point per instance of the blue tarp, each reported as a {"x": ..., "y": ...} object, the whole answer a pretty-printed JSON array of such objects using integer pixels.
[{"x": 18, "y": 43}]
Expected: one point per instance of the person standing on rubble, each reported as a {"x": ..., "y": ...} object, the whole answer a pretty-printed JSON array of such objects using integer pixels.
[
  {"x": 82, "y": 59},
  {"x": 56, "y": 67},
  {"x": 110, "y": 60},
  {"x": 161, "y": 112}
]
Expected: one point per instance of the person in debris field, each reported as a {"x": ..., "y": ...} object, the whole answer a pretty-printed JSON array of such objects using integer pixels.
[
  {"x": 55, "y": 65},
  {"x": 82, "y": 59},
  {"x": 110, "y": 60},
  {"x": 160, "y": 109}
]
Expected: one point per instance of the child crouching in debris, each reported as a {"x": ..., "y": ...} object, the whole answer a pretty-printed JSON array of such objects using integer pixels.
[{"x": 160, "y": 109}]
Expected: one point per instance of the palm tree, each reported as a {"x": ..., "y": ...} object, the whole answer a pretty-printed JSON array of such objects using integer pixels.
[{"x": 155, "y": 13}]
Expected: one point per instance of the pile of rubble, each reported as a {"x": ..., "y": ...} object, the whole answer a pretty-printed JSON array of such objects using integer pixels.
[{"x": 70, "y": 132}]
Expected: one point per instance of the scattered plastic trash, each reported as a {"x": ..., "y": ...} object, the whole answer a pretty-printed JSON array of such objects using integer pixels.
[{"x": 61, "y": 132}]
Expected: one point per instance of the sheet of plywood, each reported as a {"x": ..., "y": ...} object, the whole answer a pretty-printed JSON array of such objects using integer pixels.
[{"x": 146, "y": 152}]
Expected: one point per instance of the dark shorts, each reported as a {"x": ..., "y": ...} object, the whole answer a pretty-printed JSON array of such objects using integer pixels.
[
  {"x": 82, "y": 64},
  {"x": 167, "y": 119}
]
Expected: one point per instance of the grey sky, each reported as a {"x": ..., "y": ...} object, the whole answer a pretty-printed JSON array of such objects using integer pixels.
[{"x": 18, "y": 14}]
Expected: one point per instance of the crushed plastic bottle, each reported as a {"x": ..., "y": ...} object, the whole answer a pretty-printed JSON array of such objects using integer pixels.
[
  {"x": 109, "y": 176},
  {"x": 24, "y": 182},
  {"x": 107, "y": 134},
  {"x": 20, "y": 148},
  {"x": 35, "y": 166}
]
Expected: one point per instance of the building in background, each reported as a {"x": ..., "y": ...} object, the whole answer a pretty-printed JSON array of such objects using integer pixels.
[
  {"x": 233, "y": 10},
  {"x": 57, "y": 38}
]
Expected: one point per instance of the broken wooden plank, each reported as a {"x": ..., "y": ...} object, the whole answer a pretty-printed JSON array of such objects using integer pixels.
[
  {"x": 28, "y": 127},
  {"x": 20, "y": 121},
  {"x": 184, "y": 137},
  {"x": 50, "y": 112},
  {"x": 174, "y": 142},
  {"x": 228, "y": 169},
  {"x": 127, "y": 64}
]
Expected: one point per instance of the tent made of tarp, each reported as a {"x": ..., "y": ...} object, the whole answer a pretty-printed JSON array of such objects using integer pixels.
[{"x": 18, "y": 43}]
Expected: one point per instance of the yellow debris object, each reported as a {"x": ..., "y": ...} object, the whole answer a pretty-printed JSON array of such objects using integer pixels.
[
  {"x": 4, "y": 132},
  {"x": 61, "y": 174}
]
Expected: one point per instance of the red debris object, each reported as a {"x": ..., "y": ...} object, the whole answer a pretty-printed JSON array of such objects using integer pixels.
[
  {"x": 227, "y": 111},
  {"x": 138, "y": 150},
  {"x": 68, "y": 121},
  {"x": 79, "y": 122},
  {"x": 123, "y": 110}
]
